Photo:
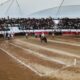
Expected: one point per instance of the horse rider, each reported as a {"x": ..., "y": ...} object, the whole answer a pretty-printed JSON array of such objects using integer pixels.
[
  {"x": 42, "y": 35},
  {"x": 43, "y": 38}
]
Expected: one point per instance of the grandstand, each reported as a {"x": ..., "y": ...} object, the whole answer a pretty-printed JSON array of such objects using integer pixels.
[{"x": 39, "y": 42}]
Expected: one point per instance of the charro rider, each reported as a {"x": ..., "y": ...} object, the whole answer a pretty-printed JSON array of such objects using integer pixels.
[{"x": 43, "y": 38}]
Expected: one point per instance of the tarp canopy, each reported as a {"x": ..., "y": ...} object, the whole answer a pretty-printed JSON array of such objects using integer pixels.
[
  {"x": 26, "y": 8},
  {"x": 65, "y": 11}
]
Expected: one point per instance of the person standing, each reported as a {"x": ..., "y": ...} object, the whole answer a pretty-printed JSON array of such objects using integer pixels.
[
  {"x": 9, "y": 35},
  {"x": 26, "y": 35},
  {"x": 12, "y": 35},
  {"x": 52, "y": 35}
]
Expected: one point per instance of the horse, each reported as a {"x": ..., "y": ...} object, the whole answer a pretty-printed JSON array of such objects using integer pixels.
[{"x": 43, "y": 39}]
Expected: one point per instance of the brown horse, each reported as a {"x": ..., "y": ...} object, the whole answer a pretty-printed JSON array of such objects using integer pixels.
[{"x": 43, "y": 39}]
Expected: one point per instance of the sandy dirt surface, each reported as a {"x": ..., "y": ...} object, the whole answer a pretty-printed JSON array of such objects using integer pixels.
[
  {"x": 10, "y": 70},
  {"x": 59, "y": 46},
  {"x": 68, "y": 38},
  {"x": 29, "y": 59}
]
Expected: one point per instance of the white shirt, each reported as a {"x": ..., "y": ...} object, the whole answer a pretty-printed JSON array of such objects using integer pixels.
[
  {"x": 43, "y": 35},
  {"x": 26, "y": 34},
  {"x": 12, "y": 35}
]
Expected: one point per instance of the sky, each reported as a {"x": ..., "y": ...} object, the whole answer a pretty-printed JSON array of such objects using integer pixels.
[{"x": 31, "y": 6}]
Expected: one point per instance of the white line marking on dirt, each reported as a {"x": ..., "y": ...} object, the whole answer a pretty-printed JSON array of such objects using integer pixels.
[
  {"x": 50, "y": 49},
  {"x": 22, "y": 63},
  {"x": 39, "y": 55},
  {"x": 63, "y": 42},
  {"x": 68, "y": 43},
  {"x": 42, "y": 69}
]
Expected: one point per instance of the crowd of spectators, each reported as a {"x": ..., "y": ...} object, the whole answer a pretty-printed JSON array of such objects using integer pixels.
[
  {"x": 48, "y": 23},
  {"x": 67, "y": 23},
  {"x": 27, "y": 23}
]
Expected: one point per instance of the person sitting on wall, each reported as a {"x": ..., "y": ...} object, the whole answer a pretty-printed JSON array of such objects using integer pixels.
[
  {"x": 9, "y": 36},
  {"x": 12, "y": 35}
]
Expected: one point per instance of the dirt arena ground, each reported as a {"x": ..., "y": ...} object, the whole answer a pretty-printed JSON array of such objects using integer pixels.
[{"x": 29, "y": 59}]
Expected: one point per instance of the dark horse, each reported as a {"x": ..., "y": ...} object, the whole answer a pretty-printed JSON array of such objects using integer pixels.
[{"x": 43, "y": 39}]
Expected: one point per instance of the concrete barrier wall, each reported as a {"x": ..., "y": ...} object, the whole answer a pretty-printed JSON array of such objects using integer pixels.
[{"x": 46, "y": 31}]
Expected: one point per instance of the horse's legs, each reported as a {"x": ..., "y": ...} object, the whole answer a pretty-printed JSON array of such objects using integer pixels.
[{"x": 45, "y": 39}]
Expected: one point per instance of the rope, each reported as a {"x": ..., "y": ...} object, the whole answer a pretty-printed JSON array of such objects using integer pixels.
[
  {"x": 4, "y": 3},
  {"x": 9, "y": 7},
  {"x": 19, "y": 7},
  {"x": 59, "y": 8}
]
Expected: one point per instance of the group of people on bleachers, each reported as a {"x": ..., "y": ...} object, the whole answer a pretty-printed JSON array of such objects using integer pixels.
[
  {"x": 48, "y": 23},
  {"x": 28, "y": 23},
  {"x": 68, "y": 23},
  {"x": 31, "y": 24}
]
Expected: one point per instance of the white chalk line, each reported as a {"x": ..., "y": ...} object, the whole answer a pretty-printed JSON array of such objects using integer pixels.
[
  {"x": 40, "y": 68},
  {"x": 31, "y": 67},
  {"x": 63, "y": 42},
  {"x": 44, "y": 57},
  {"x": 43, "y": 69},
  {"x": 40, "y": 73},
  {"x": 50, "y": 49},
  {"x": 22, "y": 63},
  {"x": 67, "y": 43},
  {"x": 64, "y": 67}
]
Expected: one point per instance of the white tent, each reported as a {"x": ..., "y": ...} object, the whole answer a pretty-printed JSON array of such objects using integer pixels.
[
  {"x": 44, "y": 8},
  {"x": 72, "y": 11}
]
